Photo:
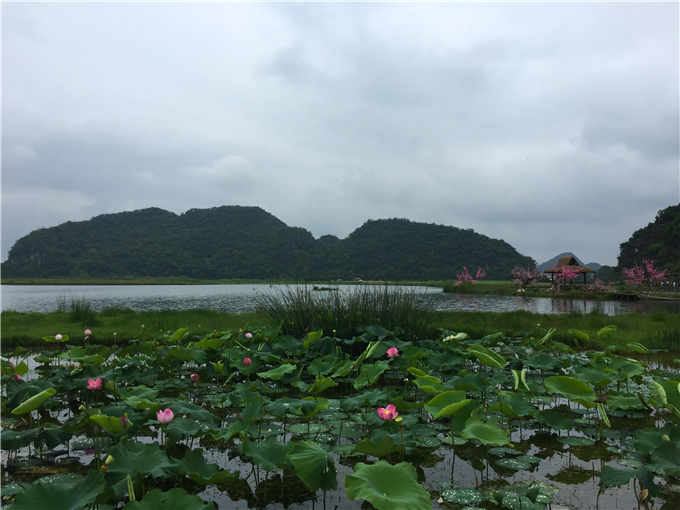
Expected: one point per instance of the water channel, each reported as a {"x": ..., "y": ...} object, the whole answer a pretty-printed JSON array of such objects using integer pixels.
[{"x": 241, "y": 299}]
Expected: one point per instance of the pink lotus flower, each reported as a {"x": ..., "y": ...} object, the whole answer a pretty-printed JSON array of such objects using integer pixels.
[
  {"x": 94, "y": 385},
  {"x": 57, "y": 337},
  {"x": 17, "y": 377},
  {"x": 249, "y": 335},
  {"x": 11, "y": 365},
  {"x": 247, "y": 362},
  {"x": 194, "y": 378},
  {"x": 392, "y": 352},
  {"x": 87, "y": 332},
  {"x": 388, "y": 413},
  {"x": 165, "y": 417}
]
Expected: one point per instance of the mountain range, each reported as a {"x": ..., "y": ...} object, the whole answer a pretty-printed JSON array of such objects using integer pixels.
[{"x": 231, "y": 242}]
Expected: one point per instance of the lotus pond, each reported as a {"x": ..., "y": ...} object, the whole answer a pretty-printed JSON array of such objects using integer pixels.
[{"x": 259, "y": 419}]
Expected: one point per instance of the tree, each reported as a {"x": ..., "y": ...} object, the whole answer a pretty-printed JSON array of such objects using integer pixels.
[
  {"x": 465, "y": 277},
  {"x": 637, "y": 276},
  {"x": 525, "y": 277}
]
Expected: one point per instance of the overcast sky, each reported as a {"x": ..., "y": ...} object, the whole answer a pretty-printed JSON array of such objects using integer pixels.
[{"x": 552, "y": 126}]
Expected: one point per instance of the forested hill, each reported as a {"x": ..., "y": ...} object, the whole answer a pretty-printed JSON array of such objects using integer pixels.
[
  {"x": 659, "y": 241},
  {"x": 248, "y": 242}
]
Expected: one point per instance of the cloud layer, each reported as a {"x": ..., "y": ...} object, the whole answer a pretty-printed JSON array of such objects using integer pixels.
[{"x": 553, "y": 126}]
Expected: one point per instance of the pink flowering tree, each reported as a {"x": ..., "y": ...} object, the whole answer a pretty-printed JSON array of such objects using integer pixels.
[
  {"x": 563, "y": 277},
  {"x": 466, "y": 277},
  {"x": 525, "y": 277},
  {"x": 638, "y": 276}
]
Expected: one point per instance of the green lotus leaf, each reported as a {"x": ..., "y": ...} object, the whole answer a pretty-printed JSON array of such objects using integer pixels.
[
  {"x": 487, "y": 356},
  {"x": 623, "y": 402},
  {"x": 387, "y": 487},
  {"x": 13, "y": 440},
  {"x": 178, "y": 335},
  {"x": 181, "y": 427},
  {"x": 487, "y": 433},
  {"x": 52, "y": 339},
  {"x": 174, "y": 499},
  {"x": 270, "y": 454},
  {"x": 136, "y": 459},
  {"x": 666, "y": 457},
  {"x": 181, "y": 354},
  {"x": 195, "y": 467},
  {"x": 614, "y": 477},
  {"x": 321, "y": 384},
  {"x": 379, "y": 449},
  {"x": 303, "y": 428},
  {"x": 370, "y": 374},
  {"x": 292, "y": 406},
  {"x": 61, "y": 494},
  {"x": 446, "y": 403},
  {"x": 429, "y": 384},
  {"x": 555, "y": 419},
  {"x": 34, "y": 402},
  {"x": 277, "y": 373},
  {"x": 136, "y": 395},
  {"x": 313, "y": 466},
  {"x": 111, "y": 424},
  {"x": 607, "y": 330},
  {"x": 576, "y": 441},
  {"x": 570, "y": 388},
  {"x": 522, "y": 462},
  {"x": 321, "y": 405},
  {"x": 463, "y": 496}
]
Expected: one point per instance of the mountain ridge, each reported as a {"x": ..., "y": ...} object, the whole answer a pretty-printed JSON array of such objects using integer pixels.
[{"x": 248, "y": 242}]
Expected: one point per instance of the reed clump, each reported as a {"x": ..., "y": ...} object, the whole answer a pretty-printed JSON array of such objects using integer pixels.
[{"x": 342, "y": 312}]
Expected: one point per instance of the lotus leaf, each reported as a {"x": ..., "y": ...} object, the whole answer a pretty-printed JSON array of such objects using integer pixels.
[
  {"x": 174, "y": 499},
  {"x": 111, "y": 424},
  {"x": 487, "y": 433},
  {"x": 277, "y": 373},
  {"x": 61, "y": 493},
  {"x": 555, "y": 419},
  {"x": 34, "y": 402},
  {"x": 576, "y": 441},
  {"x": 487, "y": 356},
  {"x": 387, "y": 487},
  {"x": 313, "y": 466},
  {"x": 195, "y": 467},
  {"x": 446, "y": 403},
  {"x": 522, "y": 462},
  {"x": 463, "y": 496},
  {"x": 383, "y": 447},
  {"x": 570, "y": 388}
]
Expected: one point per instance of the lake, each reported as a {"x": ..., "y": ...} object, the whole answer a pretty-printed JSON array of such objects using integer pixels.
[{"x": 241, "y": 299}]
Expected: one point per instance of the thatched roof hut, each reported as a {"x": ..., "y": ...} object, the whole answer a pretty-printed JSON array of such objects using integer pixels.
[{"x": 572, "y": 263}]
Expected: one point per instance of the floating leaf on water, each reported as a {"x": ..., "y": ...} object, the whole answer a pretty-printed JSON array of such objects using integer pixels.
[
  {"x": 518, "y": 463},
  {"x": 576, "y": 441},
  {"x": 504, "y": 451},
  {"x": 428, "y": 441},
  {"x": 462, "y": 496},
  {"x": 302, "y": 428}
]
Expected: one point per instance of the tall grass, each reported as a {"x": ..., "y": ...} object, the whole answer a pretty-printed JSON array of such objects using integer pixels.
[
  {"x": 81, "y": 311},
  {"x": 342, "y": 312}
]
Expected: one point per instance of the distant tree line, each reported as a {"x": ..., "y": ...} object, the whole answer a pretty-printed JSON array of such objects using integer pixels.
[{"x": 247, "y": 242}]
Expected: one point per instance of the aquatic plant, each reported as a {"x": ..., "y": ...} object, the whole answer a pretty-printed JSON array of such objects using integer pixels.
[{"x": 303, "y": 405}]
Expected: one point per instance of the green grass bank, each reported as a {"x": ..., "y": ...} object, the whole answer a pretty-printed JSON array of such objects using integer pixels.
[{"x": 658, "y": 330}]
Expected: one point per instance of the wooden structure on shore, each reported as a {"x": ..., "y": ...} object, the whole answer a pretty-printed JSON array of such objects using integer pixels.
[{"x": 571, "y": 263}]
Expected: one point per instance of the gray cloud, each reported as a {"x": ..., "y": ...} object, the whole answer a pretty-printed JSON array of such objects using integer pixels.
[{"x": 553, "y": 126}]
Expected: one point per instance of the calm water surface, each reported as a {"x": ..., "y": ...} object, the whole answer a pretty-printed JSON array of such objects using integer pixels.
[{"x": 241, "y": 299}]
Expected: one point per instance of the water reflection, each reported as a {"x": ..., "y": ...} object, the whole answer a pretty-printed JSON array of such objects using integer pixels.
[{"x": 241, "y": 299}]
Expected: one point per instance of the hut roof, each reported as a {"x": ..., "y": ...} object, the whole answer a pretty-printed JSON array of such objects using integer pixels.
[{"x": 570, "y": 261}]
